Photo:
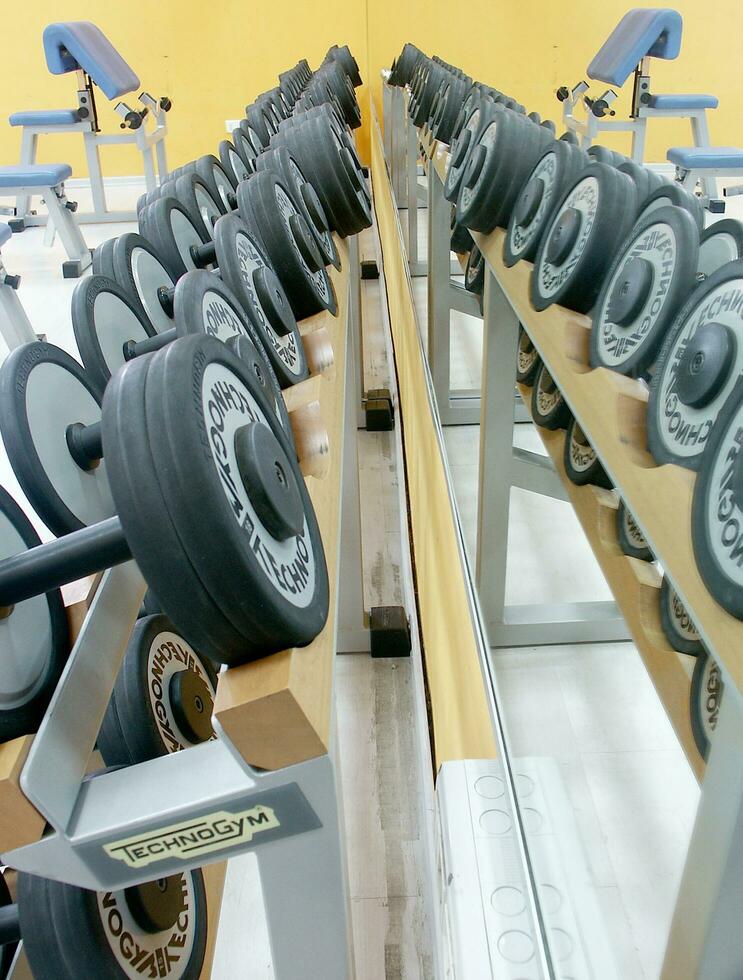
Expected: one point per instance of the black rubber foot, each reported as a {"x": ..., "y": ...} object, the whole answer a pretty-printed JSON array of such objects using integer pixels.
[
  {"x": 71, "y": 269},
  {"x": 379, "y": 410},
  {"x": 365, "y": 171},
  {"x": 390, "y": 632},
  {"x": 17, "y": 225},
  {"x": 369, "y": 269},
  {"x": 716, "y": 207}
]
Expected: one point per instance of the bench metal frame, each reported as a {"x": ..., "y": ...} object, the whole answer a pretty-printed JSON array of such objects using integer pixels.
[{"x": 15, "y": 326}]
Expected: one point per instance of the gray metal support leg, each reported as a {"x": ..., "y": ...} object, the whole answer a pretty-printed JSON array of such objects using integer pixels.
[
  {"x": 162, "y": 159},
  {"x": 706, "y": 940},
  {"x": 439, "y": 305},
  {"x": 417, "y": 266},
  {"x": 93, "y": 157},
  {"x": 68, "y": 230},
  {"x": 29, "y": 142},
  {"x": 700, "y": 133},
  {"x": 148, "y": 162},
  {"x": 638, "y": 140},
  {"x": 15, "y": 327},
  {"x": 356, "y": 328}
]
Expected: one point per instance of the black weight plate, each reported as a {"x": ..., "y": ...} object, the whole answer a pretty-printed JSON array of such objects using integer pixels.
[
  {"x": 104, "y": 318},
  {"x": 540, "y": 194},
  {"x": 273, "y": 586},
  {"x": 71, "y": 932},
  {"x": 244, "y": 146},
  {"x": 716, "y": 513},
  {"x": 474, "y": 273},
  {"x": 103, "y": 259},
  {"x": 206, "y": 305},
  {"x": 461, "y": 239},
  {"x": 697, "y": 369},
  {"x": 266, "y": 204},
  {"x": 233, "y": 164},
  {"x": 581, "y": 460},
  {"x": 677, "y": 624},
  {"x": 488, "y": 169},
  {"x": 569, "y": 137},
  {"x": 640, "y": 175},
  {"x": 111, "y": 741},
  {"x": 601, "y": 154},
  {"x": 534, "y": 140},
  {"x": 720, "y": 243},
  {"x": 651, "y": 275},
  {"x": 705, "y": 697},
  {"x": 146, "y": 520},
  {"x": 548, "y": 408},
  {"x": 203, "y": 209},
  {"x": 156, "y": 713},
  {"x": 217, "y": 181},
  {"x": 242, "y": 264},
  {"x": 142, "y": 273},
  {"x": 579, "y": 242},
  {"x": 8, "y": 950},
  {"x": 631, "y": 539},
  {"x": 669, "y": 192},
  {"x": 527, "y": 359},
  {"x": 34, "y": 637},
  {"x": 42, "y": 391},
  {"x": 173, "y": 234}
]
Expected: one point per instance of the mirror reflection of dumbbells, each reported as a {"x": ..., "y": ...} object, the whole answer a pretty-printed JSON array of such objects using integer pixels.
[
  {"x": 158, "y": 928},
  {"x": 184, "y": 467}
]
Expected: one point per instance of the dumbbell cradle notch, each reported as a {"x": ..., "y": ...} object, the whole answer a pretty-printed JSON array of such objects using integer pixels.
[{"x": 250, "y": 578}]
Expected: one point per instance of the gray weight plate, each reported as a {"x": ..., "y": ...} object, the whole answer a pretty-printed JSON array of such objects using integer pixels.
[
  {"x": 540, "y": 194},
  {"x": 651, "y": 275},
  {"x": 269, "y": 574},
  {"x": 548, "y": 408},
  {"x": 233, "y": 164},
  {"x": 173, "y": 234},
  {"x": 697, "y": 369},
  {"x": 531, "y": 145},
  {"x": 631, "y": 539},
  {"x": 716, "y": 513},
  {"x": 488, "y": 163},
  {"x": 70, "y": 932},
  {"x": 579, "y": 242},
  {"x": 104, "y": 318},
  {"x": 203, "y": 209},
  {"x": 34, "y": 637},
  {"x": 669, "y": 192},
  {"x": 266, "y": 203},
  {"x": 249, "y": 275},
  {"x": 43, "y": 391},
  {"x": 103, "y": 259},
  {"x": 527, "y": 359},
  {"x": 210, "y": 171},
  {"x": 677, "y": 624},
  {"x": 705, "y": 697},
  {"x": 142, "y": 273},
  {"x": 720, "y": 243},
  {"x": 244, "y": 146},
  {"x": 581, "y": 461}
]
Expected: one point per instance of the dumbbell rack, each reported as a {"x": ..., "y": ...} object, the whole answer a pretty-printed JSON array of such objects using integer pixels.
[{"x": 273, "y": 761}]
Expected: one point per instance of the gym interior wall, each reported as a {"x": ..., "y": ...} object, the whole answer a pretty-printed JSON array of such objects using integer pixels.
[
  {"x": 534, "y": 46},
  {"x": 210, "y": 59}
]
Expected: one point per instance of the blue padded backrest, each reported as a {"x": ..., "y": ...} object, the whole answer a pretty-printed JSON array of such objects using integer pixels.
[
  {"x": 654, "y": 31},
  {"x": 80, "y": 44}
]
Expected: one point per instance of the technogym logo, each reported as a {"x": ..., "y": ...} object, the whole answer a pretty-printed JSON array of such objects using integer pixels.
[{"x": 192, "y": 838}]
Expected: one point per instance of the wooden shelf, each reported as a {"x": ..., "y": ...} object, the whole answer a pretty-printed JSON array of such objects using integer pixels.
[
  {"x": 611, "y": 409},
  {"x": 276, "y": 711}
]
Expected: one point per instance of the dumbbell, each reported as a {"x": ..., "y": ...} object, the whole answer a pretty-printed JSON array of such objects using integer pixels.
[
  {"x": 163, "y": 698},
  {"x": 158, "y": 928},
  {"x": 462, "y": 145},
  {"x": 344, "y": 56},
  {"x": 232, "y": 163},
  {"x": 705, "y": 697},
  {"x": 110, "y": 329},
  {"x": 198, "y": 483},
  {"x": 179, "y": 247},
  {"x": 676, "y": 623},
  {"x": 631, "y": 539},
  {"x": 194, "y": 197},
  {"x": 580, "y": 459}
]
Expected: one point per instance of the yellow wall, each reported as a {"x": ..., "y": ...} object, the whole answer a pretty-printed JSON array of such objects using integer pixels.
[
  {"x": 212, "y": 59},
  {"x": 527, "y": 48}
]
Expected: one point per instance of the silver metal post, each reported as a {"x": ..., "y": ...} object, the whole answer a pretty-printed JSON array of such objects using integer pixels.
[
  {"x": 29, "y": 142},
  {"x": 93, "y": 156},
  {"x": 439, "y": 274}
]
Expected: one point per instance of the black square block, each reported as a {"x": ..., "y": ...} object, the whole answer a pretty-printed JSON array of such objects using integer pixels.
[
  {"x": 390, "y": 632},
  {"x": 369, "y": 269}
]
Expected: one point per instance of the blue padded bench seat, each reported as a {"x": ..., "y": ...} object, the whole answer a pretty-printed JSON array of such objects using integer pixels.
[
  {"x": 654, "y": 31},
  {"x": 34, "y": 174},
  {"x": 44, "y": 117},
  {"x": 683, "y": 102},
  {"x": 5, "y": 233},
  {"x": 79, "y": 44},
  {"x": 705, "y": 157}
]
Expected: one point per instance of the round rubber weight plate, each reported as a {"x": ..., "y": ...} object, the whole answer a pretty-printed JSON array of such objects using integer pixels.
[
  {"x": 173, "y": 234},
  {"x": 104, "y": 319},
  {"x": 42, "y": 391},
  {"x": 33, "y": 636},
  {"x": 541, "y": 191},
  {"x": 273, "y": 586},
  {"x": 548, "y": 408},
  {"x": 527, "y": 359},
  {"x": 461, "y": 148},
  {"x": 141, "y": 271},
  {"x": 631, "y": 539},
  {"x": 9, "y": 949},
  {"x": 650, "y": 276},
  {"x": 266, "y": 203},
  {"x": 720, "y": 243},
  {"x": 678, "y": 627},
  {"x": 705, "y": 697},
  {"x": 474, "y": 273},
  {"x": 159, "y": 712},
  {"x": 194, "y": 194},
  {"x": 698, "y": 366},
  {"x": 210, "y": 171},
  {"x": 71, "y": 932},
  {"x": 579, "y": 242},
  {"x": 151, "y": 533},
  {"x": 670, "y": 192},
  {"x": 716, "y": 514},
  {"x": 103, "y": 259},
  {"x": 581, "y": 461},
  {"x": 254, "y": 357},
  {"x": 531, "y": 143},
  {"x": 232, "y": 163},
  {"x": 488, "y": 171},
  {"x": 240, "y": 262}
]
